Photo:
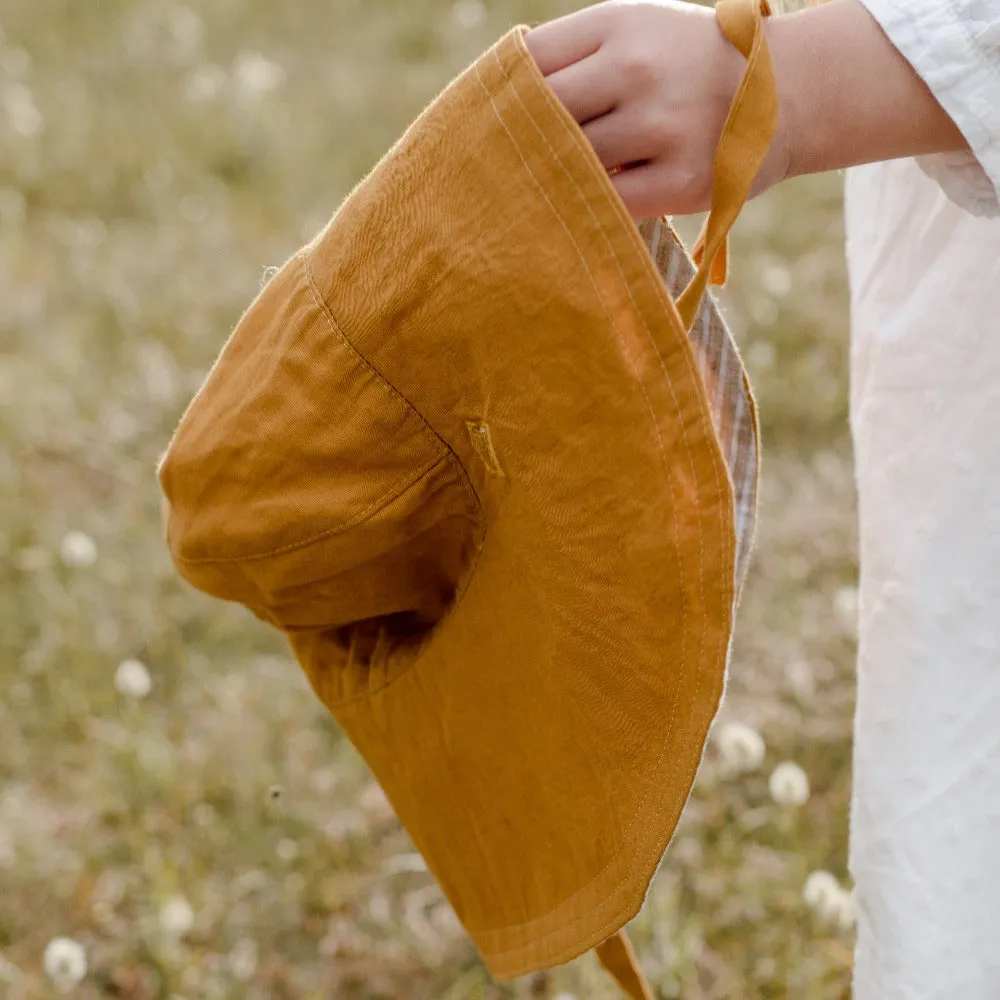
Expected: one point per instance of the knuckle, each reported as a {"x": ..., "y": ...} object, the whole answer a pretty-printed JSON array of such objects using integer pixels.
[
  {"x": 638, "y": 71},
  {"x": 659, "y": 126}
]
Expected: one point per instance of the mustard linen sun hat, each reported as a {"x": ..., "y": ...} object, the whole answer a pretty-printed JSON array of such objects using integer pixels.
[{"x": 485, "y": 455}]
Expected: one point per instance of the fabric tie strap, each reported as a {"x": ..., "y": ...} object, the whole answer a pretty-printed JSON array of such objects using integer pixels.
[
  {"x": 618, "y": 958},
  {"x": 745, "y": 140}
]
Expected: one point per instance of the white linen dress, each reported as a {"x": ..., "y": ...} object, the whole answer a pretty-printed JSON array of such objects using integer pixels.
[{"x": 923, "y": 249}]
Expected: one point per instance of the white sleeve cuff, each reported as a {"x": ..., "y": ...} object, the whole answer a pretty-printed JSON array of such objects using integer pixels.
[{"x": 954, "y": 46}]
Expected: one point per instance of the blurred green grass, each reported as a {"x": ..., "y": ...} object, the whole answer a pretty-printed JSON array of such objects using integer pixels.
[{"x": 156, "y": 159}]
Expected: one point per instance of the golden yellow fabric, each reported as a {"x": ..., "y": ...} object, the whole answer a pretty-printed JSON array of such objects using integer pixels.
[
  {"x": 459, "y": 450},
  {"x": 618, "y": 958}
]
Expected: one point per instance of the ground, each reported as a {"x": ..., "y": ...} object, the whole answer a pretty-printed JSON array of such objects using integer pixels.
[{"x": 156, "y": 159}]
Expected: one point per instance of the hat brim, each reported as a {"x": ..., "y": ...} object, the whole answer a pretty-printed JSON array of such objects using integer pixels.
[{"x": 540, "y": 745}]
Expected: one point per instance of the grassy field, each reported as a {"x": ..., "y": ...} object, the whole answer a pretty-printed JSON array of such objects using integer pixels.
[{"x": 218, "y": 838}]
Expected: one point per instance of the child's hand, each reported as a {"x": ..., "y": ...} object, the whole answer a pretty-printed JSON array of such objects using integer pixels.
[{"x": 651, "y": 85}]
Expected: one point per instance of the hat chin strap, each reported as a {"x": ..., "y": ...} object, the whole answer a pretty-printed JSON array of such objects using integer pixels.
[
  {"x": 745, "y": 140},
  {"x": 746, "y": 137},
  {"x": 618, "y": 958}
]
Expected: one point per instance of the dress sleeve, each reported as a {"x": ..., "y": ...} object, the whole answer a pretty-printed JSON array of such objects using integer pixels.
[{"x": 954, "y": 45}]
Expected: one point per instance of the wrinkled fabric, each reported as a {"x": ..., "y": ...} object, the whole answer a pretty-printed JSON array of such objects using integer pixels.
[
  {"x": 925, "y": 847},
  {"x": 954, "y": 46},
  {"x": 464, "y": 452}
]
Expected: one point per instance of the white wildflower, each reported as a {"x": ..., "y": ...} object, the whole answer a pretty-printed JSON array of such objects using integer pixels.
[
  {"x": 78, "y": 549},
  {"x": 176, "y": 918},
  {"x": 256, "y": 75},
  {"x": 843, "y": 912},
  {"x": 789, "y": 784},
  {"x": 821, "y": 893},
  {"x": 132, "y": 679},
  {"x": 468, "y": 13},
  {"x": 829, "y": 900},
  {"x": 65, "y": 962},
  {"x": 22, "y": 112},
  {"x": 741, "y": 746},
  {"x": 564, "y": 996}
]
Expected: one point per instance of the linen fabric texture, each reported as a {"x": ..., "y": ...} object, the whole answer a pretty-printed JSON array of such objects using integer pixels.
[{"x": 464, "y": 452}]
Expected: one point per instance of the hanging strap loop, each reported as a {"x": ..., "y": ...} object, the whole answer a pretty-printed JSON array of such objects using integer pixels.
[
  {"x": 745, "y": 140},
  {"x": 618, "y": 958}
]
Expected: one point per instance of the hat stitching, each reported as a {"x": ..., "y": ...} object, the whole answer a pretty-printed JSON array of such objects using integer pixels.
[
  {"x": 336, "y": 329},
  {"x": 490, "y": 96},
  {"x": 482, "y": 443}
]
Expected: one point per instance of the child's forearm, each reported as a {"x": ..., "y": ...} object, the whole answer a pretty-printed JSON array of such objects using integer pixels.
[{"x": 847, "y": 96}]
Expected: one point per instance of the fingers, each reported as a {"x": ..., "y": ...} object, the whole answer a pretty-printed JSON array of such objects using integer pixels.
[
  {"x": 566, "y": 40},
  {"x": 618, "y": 140},
  {"x": 585, "y": 88},
  {"x": 637, "y": 188},
  {"x": 656, "y": 188}
]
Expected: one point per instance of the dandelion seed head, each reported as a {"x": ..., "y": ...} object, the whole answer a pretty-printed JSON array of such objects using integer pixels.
[
  {"x": 789, "y": 784},
  {"x": 741, "y": 746},
  {"x": 65, "y": 962},
  {"x": 176, "y": 917},
  {"x": 132, "y": 679},
  {"x": 820, "y": 892},
  {"x": 842, "y": 911},
  {"x": 78, "y": 549}
]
